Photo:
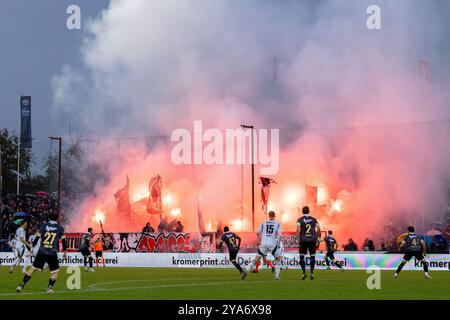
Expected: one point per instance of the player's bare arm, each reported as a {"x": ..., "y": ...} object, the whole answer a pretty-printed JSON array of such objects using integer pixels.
[
  {"x": 64, "y": 246},
  {"x": 26, "y": 243},
  {"x": 319, "y": 231},
  {"x": 424, "y": 247}
]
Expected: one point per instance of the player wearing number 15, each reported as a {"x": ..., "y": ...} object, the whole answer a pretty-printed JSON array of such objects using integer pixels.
[
  {"x": 51, "y": 232},
  {"x": 269, "y": 235},
  {"x": 308, "y": 230}
]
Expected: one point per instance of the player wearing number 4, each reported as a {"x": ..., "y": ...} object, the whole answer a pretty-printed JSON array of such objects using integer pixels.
[
  {"x": 51, "y": 233},
  {"x": 414, "y": 246},
  {"x": 269, "y": 235}
]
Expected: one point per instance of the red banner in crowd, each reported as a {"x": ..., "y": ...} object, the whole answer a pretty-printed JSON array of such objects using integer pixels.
[
  {"x": 265, "y": 191},
  {"x": 154, "y": 204},
  {"x": 123, "y": 200}
]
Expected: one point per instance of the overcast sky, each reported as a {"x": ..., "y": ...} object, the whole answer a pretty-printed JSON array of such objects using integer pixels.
[{"x": 35, "y": 44}]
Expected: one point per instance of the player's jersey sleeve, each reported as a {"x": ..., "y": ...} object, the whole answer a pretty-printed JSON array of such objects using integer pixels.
[
  {"x": 261, "y": 228},
  {"x": 279, "y": 234}
]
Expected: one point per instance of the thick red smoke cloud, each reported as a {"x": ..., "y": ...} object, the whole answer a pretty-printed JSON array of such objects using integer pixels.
[{"x": 355, "y": 118}]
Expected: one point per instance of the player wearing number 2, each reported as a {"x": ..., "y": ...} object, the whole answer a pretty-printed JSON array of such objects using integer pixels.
[
  {"x": 269, "y": 235},
  {"x": 51, "y": 233},
  {"x": 308, "y": 230}
]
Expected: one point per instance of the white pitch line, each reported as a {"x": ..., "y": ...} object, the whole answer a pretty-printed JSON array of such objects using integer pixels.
[
  {"x": 94, "y": 287},
  {"x": 133, "y": 288},
  {"x": 99, "y": 284}
]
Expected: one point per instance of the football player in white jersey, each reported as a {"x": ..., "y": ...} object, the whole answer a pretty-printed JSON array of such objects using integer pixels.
[
  {"x": 12, "y": 244},
  {"x": 23, "y": 247},
  {"x": 269, "y": 236},
  {"x": 35, "y": 250}
]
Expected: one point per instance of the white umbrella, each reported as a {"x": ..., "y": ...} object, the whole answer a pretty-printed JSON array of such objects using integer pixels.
[{"x": 433, "y": 233}]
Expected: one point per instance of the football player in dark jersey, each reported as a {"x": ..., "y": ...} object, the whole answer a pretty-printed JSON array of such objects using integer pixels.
[
  {"x": 51, "y": 233},
  {"x": 308, "y": 231},
  {"x": 332, "y": 246},
  {"x": 85, "y": 246},
  {"x": 414, "y": 246},
  {"x": 233, "y": 242}
]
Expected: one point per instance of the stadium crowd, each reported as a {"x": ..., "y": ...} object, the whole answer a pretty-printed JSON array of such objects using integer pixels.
[{"x": 35, "y": 207}]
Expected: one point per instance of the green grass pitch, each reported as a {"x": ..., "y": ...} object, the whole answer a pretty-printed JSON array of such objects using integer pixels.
[{"x": 186, "y": 284}]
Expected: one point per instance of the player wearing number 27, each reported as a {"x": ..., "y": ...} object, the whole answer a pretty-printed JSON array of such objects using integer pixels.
[
  {"x": 51, "y": 233},
  {"x": 269, "y": 235}
]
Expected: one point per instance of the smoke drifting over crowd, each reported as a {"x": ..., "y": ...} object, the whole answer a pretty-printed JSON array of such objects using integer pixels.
[{"x": 355, "y": 117}]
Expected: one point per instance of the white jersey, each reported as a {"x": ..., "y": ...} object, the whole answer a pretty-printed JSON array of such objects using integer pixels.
[
  {"x": 20, "y": 234},
  {"x": 270, "y": 233},
  {"x": 31, "y": 238},
  {"x": 38, "y": 244},
  {"x": 13, "y": 243}
]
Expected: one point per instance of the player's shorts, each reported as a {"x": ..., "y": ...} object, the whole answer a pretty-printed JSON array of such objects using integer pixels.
[
  {"x": 50, "y": 259},
  {"x": 233, "y": 254},
  {"x": 330, "y": 254},
  {"x": 98, "y": 254},
  {"x": 306, "y": 246},
  {"x": 85, "y": 252},
  {"x": 418, "y": 255},
  {"x": 264, "y": 250}
]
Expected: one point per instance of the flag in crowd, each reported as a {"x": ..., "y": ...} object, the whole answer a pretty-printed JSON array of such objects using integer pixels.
[
  {"x": 123, "y": 199},
  {"x": 265, "y": 191},
  {"x": 154, "y": 204}
]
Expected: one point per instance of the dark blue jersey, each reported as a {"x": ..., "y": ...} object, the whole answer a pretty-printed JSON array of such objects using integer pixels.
[
  {"x": 50, "y": 233},
  {"x": 231, "y": 239},
  {"x": 330, "y": 243},
  {"x": 308, "y": 228},
  {"x": 85, "y": 243},
  {"x": 412, "y": 243}
]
